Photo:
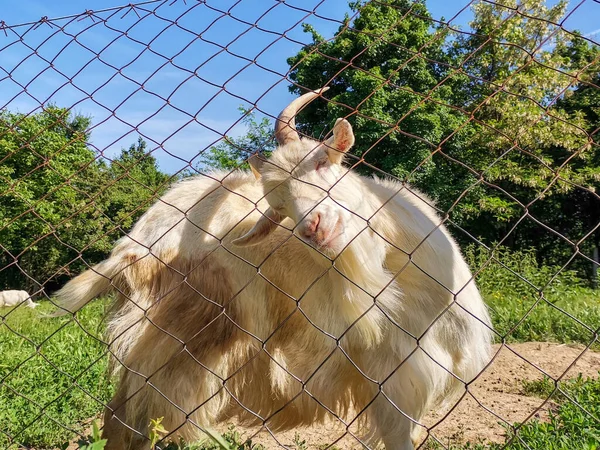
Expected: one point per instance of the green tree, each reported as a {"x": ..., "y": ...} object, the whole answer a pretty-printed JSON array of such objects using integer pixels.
[
  {"x": 482, "y": 125},
  {"x": 60, "y": 206},
  {"x": 233, "y": 152},
  {"x": 574, "y": 209},
  {"x": 130, "y": 184},
  {"x": 382, "y": 69},
  {"x": 529, "y": 144},
  {"x": 43, "y": 160}
]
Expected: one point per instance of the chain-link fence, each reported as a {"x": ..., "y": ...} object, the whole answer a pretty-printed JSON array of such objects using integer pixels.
[{"x": 305, "y": 280}]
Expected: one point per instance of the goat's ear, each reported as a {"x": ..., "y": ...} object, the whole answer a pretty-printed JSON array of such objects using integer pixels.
[
  {"x": 341, "y": 141},
  {"x": 256, "y": 164},
  {"x": 265, "y": 226}
]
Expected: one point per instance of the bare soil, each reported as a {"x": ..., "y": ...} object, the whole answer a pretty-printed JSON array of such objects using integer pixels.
[
  {"x": 495, "y": 398},
  {"x": 497, "y": 395}
]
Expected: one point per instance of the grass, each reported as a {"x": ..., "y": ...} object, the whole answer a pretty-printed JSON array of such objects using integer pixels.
[
  {"x": 53, "y": 374},
  {"x": 538, "y": 305},
  {"x": 569, "y": 316},
  {"x": 231, "y": 440},
  {"x": 575, "y": 423}
]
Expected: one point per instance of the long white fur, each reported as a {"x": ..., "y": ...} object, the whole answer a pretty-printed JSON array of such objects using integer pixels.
[{"x": 392, "y": 291}]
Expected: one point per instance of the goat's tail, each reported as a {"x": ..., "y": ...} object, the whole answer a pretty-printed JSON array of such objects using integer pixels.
[{"x": 87, "y": 286}]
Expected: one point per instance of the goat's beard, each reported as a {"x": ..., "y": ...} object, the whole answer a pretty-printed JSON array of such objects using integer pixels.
[
  {"x": 363, "y": 288},
  {"x": 369, "y": 288}
]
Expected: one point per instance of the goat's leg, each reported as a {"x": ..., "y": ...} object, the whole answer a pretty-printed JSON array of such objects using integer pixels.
[
  {"x": 394, "y": 428},
  {"x": 399, "y": 406},
  {"x": 115, "y": 428},
  {"x": 127, "y": 417},
  {"x": 179, "y": 392}
]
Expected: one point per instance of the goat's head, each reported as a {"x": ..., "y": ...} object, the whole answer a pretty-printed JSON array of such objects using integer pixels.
[{"x": 305, "y": 181}]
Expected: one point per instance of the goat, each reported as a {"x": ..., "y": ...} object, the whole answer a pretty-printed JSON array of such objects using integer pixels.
[
  {"x": 284, "y": 296},
  {"x": 14, "y": 298}
]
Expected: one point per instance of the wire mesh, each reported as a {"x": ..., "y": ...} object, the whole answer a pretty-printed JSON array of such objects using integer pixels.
[{"x": 482, "y": 117}]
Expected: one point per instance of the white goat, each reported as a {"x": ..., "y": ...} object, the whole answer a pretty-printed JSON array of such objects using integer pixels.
[
  {"x": 296, "y": 293},
  {"x": 14, "y": 298}
]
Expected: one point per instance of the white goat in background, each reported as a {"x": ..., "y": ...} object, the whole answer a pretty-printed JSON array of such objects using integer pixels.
[
  {"x": 296, "y": 293},
  {"x": 14, "y": 298}
]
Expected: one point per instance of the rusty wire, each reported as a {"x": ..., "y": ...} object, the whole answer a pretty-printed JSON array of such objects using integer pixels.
[{"x": 163, "y": 10}]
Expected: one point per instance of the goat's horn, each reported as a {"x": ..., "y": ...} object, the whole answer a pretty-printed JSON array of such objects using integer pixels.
[{"x": 285, "y": 126}]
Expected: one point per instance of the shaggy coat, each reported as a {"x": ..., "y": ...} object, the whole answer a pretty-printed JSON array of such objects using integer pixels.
[{"x": 297, "y": 293}]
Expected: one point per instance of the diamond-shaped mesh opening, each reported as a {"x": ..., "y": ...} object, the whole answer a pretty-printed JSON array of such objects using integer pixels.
[{"x": 437, "y": 288}]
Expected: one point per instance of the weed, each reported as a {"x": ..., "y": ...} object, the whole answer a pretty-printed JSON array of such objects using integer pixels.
[
  {"x": 94, "y": 442},
  {"x": 230, "y": 440},
  {"x": 300, "y": 443},
  {"x": 157, "y": 431}
]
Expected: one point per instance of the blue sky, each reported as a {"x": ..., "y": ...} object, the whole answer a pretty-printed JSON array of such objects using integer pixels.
[{"x": 179, "y": 66}]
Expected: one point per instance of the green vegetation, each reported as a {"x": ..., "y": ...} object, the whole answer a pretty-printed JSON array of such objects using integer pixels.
[
  {"x": 230, "y": 440},
  {"x": 233, "y": 440},
  {"x": 529, "y": 302},
  {"x": 58, "y": 201},
  {"x": 574, "y": 425},
  {"x": 549, "y": 320},
  {"x": 93, "y": 442},
  {"x": 53, "y": 375},
  {"x": 232, "y": 153}
]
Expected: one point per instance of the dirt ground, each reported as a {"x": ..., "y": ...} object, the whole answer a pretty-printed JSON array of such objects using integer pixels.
[{"x": 495, "y": 397}]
